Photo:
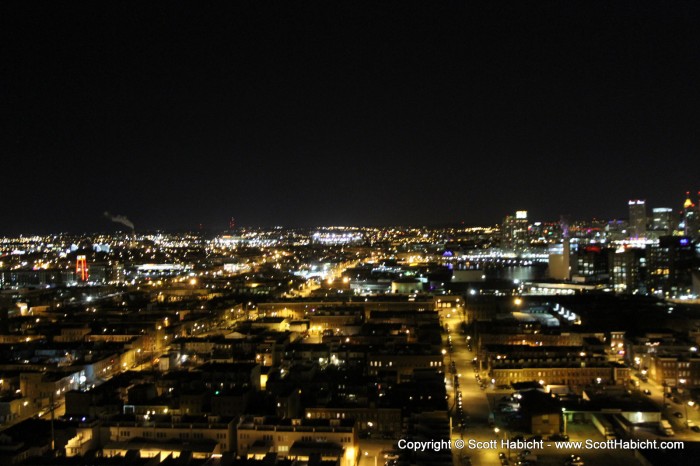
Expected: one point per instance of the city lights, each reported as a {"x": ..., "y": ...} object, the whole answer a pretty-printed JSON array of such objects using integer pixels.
[{"x": 354, "y": 235}]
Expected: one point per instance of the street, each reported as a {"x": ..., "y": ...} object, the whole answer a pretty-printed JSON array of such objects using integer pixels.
[{"x": 477, "y": 405}]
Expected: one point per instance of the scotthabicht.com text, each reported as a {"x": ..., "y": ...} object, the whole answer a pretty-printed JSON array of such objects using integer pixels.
[{"x": 472, "y": 444}]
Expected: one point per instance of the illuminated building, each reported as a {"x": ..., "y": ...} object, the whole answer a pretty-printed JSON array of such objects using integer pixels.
[
  {"x": 406, "y": 286},
  {"x": 401, "y": 362},
  {"x": 664, "y": 220},
  {"x": 331, "y": 439},
  {"x": 557, "y": 369},
  {"x": 388, "y": 421},
  {"x": 591, "y": 264},
  {"x": 675, "y": 369},
  {"x": 514, "y": 232},
  {"x": 691, "y": 218},
  {"x": 638, "y": 218},
  {"x": 337, "y": 236},
  {"x": 670, "y": 264},
  {"x": 156, "y": 435},
  {"x": 21, "y": 278},
  {"x": 81, "y": 269},
  {"x": 627, "y": 270},
  {"x": 560, "y": 261}
]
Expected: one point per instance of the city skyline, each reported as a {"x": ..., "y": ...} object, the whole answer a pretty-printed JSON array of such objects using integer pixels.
[
  {"x": 108, "y": 222},
  {"x": 358, "y": 114},
  {"x": 349, "y": 233}
]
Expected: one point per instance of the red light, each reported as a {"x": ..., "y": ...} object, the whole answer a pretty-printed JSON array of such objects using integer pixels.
[{"x": 81, "y": 268}]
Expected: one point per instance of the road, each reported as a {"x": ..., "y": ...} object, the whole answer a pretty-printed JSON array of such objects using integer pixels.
[
  {"x": 670, "y": 406},
  {"x": 475, "y": 403},
  {"x": 371, "y": 451},
  {"x": 478, "y": 404}
]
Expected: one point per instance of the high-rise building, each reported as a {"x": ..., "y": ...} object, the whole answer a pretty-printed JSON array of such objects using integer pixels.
[
  {"x": 638, "y": 218},
  {"x": 627, "y": 270},
  {"x": 514, "y": 231},
  {"x": 664, "y": 220},
  {"x": 591, "y": 264},
  {"x": 670, "y": 265},
  {"x": 691, "y": 218}
]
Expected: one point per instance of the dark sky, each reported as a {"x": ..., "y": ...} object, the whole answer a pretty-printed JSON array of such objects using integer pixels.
[{"x": 304, "y": 113}]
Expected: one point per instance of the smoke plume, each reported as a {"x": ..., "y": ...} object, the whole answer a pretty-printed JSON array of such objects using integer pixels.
[{"x": 120, "y": 219}]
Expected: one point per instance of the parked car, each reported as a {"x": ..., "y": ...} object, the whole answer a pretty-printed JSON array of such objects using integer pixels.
[{"x": 574, "y": 460}]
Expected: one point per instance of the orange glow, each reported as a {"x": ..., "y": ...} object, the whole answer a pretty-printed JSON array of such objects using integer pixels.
[{"x": 81, "y": 268}]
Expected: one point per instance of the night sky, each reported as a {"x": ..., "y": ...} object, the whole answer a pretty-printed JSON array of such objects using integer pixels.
[{"x": 303, "y": 113}]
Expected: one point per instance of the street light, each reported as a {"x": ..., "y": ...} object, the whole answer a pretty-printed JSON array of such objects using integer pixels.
[
  {"x": 444, "y": 352},
  {"x": 505, "y": 437},
  {"x": 563, "y": 415},
  {"x": 691, "y": 404}
]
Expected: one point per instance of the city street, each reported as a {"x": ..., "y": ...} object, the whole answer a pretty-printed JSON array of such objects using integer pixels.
[
  {"x": 475, "y": 403},
  {"x": 371, "y": 451},
  {"x": 478, "y": 404},
  {"x": 670, "y": 406}
]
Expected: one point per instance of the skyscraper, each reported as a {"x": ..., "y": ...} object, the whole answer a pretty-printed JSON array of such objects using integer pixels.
[
  {"x": 664, "y": 220},
  {"x": 670, "y": 265},
  {"x": 627, "y": 270},
  {"x": 638, "y": 218},
  {"x": 514, "y": 231},
  {"x": 691, "y": 218}
]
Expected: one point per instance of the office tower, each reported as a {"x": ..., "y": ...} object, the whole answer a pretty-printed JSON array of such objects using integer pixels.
[
  {"x": 627, "y": 270},
  {"x": 664, "y": 220},
  {"x": 671, "y": 263},
  {"x": 691, "y": 218},
  {"x": 514, "y": 234},
  {"x": 638, "y": 218},
  {"x": 591, "y": 264}
]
